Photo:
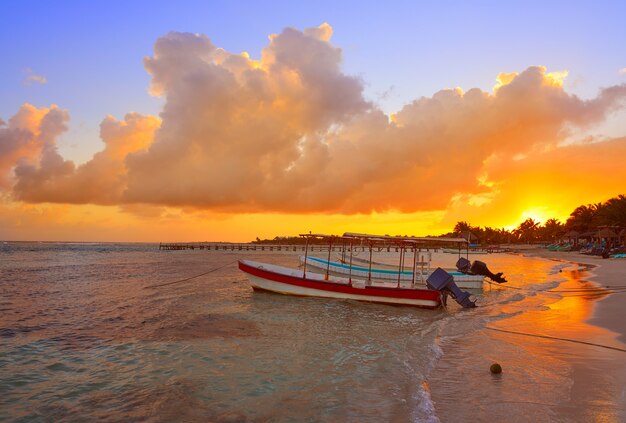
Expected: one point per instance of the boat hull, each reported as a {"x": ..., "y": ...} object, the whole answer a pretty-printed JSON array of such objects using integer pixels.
[
  {"x": 462, "y": 280},
  {"x": 471, "y": 252},
  {"x": 294, "y": 282}
]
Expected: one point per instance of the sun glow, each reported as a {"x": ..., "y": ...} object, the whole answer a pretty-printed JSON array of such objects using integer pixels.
[{"x": 537, "y": 214}]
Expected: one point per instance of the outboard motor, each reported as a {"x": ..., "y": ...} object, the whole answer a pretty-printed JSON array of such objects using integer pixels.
[
  {"x": 463, "y": 265},
  {"x": 440, "y": 280},
  {"x": 480, "y": 268}
]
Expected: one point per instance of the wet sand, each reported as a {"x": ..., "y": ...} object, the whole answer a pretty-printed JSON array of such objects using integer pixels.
[
  {"x": 609, "y": 312},
  {"x": 601, "y": 377},
  {"x": 546, "y": 376}
]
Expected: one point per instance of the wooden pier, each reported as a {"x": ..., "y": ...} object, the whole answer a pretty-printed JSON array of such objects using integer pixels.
[{"x": 227, "y": 246}]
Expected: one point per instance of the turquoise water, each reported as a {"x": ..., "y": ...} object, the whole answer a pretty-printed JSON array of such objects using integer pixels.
[{"x": 82, "y": 338}]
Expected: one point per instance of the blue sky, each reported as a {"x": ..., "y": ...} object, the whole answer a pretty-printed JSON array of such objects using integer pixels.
[{"x": 91, "y": 53}]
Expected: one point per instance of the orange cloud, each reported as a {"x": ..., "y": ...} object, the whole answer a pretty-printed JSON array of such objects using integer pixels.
[
  {"x": 102, "y": 180},
  {"x": 238, "y": 127},
  {"x": 291, "y": 133},
  {"x": 26, "y": 136},
  {"x": 545, "y": 185},
  {"x": 294, "y": 134}
]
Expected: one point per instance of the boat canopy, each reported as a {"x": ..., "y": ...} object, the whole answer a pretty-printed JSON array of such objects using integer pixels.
[
  {"x": 416, "y": 239},
  {"x": 445, "y": 285},
  {"x": 388, "y": 238}
]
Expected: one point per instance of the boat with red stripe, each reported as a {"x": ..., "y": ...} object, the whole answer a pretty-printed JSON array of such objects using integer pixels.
[
  {"x": 403, "y": 291},
  {"x": 284, "y": 280}
]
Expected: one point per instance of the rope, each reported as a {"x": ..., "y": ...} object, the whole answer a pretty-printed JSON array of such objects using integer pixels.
[
  {"x": 591, "y": 291},
  {"x": 188, "y": 279},
  {"x": 557, "y": 339},
  {"x": 506, "y": 286},
  {"x": 598, "y": 288},
  {"x": 594, "y": 294},
  {"x": 579, "y": 292}
]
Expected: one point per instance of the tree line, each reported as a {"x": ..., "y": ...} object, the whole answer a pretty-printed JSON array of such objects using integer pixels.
[{"x": 584, "y": 219}]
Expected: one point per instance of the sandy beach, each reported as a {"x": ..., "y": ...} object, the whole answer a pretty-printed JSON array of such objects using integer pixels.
[
  {"x": 608, "y": 312},
  {"x": 562, "y": 352},
  {"x": 591, "y": 384}
]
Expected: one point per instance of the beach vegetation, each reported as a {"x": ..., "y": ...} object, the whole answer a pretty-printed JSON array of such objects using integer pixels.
[{"x": 583, "y": 219}]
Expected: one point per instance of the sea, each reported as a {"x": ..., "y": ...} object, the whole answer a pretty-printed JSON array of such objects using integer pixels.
[{"x": 125, "y": 332}]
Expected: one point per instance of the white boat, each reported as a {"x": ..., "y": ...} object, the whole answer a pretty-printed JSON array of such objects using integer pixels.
[
  {"x": 462, "y": 280},
  {"x": 469, "y": 251},
  {"x": 284, "y": 280}
]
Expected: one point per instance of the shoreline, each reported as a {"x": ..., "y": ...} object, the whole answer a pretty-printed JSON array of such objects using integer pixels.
[
  {"x": 608, "y": 312},
  {"x": 562, "y": 351},
  {"x": 601, "y": 375}
]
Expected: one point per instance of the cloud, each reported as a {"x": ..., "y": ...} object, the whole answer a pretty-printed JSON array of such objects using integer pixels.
[
  {"x": 232, "y": 125},
  {"x": 555, "y": 181},
  {"x": 26, "y": 137},
  {"x": 32, "y": 78},
  {"x": 290, "y": 132},
  {"x": 622, "y": 71},
  {"x": 101, "y": 180}
]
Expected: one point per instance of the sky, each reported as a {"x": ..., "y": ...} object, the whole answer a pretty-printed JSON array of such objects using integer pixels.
[{"x": 227, "y": 121}]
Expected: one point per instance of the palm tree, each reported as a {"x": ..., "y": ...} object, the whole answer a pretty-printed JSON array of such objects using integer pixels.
[
  {"x": 461, "y": 227},
  {"x": 490, "y": 235},
  {"x": 469, "y": 232},
  {"x": 550, "y": 230},
  {"x": 582, "y": 218},
  {"x": 505, "y": 236},
  {"x": 526, "y": 231},
  {"x": 613, "y": 212}
]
